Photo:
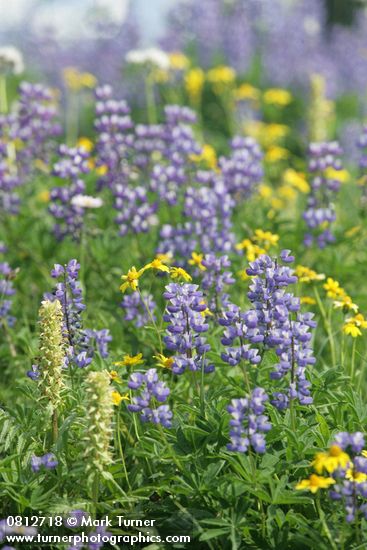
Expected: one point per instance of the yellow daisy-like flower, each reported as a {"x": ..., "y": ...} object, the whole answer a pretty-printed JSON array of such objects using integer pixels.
[
  {"x": 221, "y": 75},
  {"x": 165, "y": 258},
  {"x": 331, "y": 460},
  {"x": 287, "y": 192},
  {"x": 196, "y": 260},
  {"x": 277, "y": 96},
  {"x": 351, "y": 330},
  {"x": 265, "y": 191},
  {"x": 247, "y": 92},
  {"x": 194, "y": 82},
  {"x": 207, "y": 155},
  {"x": 333, "y": 288},
  {"x": 266, "y": 238},
  {"x": 75, "y": 80},
  {"x": 243, "y": 275},
  {"x": 102, "y": 170},
  {"x": 357, "y": 477},
  {"x": 308, "y": 300},
  {"x": 85, "y": 143},
  {"x": 340, "y": 175},
  {"x": 180, "y": 273},
  {"x": 276, "y": 153},
  {"x": 163, "y": 361},
  {"x": 345, "y": 303},
  {"x": 130, "y": 360},
  {"x": 307, "y": 275},
  {"x": 157, "y": 264},
  {"x": 314, "y": 483},
  {"x": 131, "y": 279},
  {"x": 296, "y": 180},
  {"x": 178, "y": 61},
  {"x": 115, "y": 376},
  {"x": 117, "y": 397}
]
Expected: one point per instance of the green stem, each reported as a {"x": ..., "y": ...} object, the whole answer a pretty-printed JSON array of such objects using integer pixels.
[
  {"x": 153, "y": 322},
  {"x": 3, "y": 95},
  {"x": 149, "y": 99},
  {"x": 353, "y": 360},
  {"x": 121, "y": 450},
  {"x": 327, "y": 325},
  {"x": 324, "y": 524},
  {"x": 72, "y": 121}
]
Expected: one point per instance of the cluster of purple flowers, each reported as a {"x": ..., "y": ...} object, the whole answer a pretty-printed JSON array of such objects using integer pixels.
[
  {"x": 206, "y": 225},
  {"x": 71, "y": 166},
  {"x": 242, "y": 171},
  {"x": 248, "y": 423},
  {"x": 48, "y": 461},
  {"x": 320, "y": 210},
  {"x": 136, "y": 310},
  {"x": 37, "y": 124},
  {"x": 351, "y": 488},
  {"x": 82, "y": 343},
  {"x": 215, "y": 279},
  {"x": 6, "y": 291},
  {"x": 185, "y": 315},
  {"x": 152, "y": 391}
]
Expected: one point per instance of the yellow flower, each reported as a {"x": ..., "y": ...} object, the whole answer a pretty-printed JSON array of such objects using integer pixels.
[
  {"x": 163, "y": 361},
  {"x": 353, "y": 231},
  {"x": 44, "y": 196},
  {"x": 351, "y": 330},
  {"x": 358, "y": 477},
  {"x": 333, "y": 288},
  {"x": 276, "y": 153},
  {"x": 243, "y": 275},
  {"x": 221, "y": 75},
  {"x": 115, "y": 376},
  {"x": 307, "y": 275},
  {"x": 117, "y": 397},
  {"x": 345, "y": 303},
  {"x": 158, "y": 264},
  {"x": 196, "y": 259},
  {"x": 265, "y": 191},
  {"x": 266, "y": 238},
  {"x": 130, "y": 361},
  {"x": 194, "y": 82},
  {"x": 339, "y": 175},
  {"x": 165, "y": 258},
  {"x": 314, "y": 483},
  {"x": 331, "y": 460},
  {"x": 246, "y": 92},
  {"x": 207, "y": 155},
  {"x": 296, "y": 180},
  {"x": 287, "y": 192},
  {"x": 102, "y": 170},
  {"x": 359, "y": 320},
  {"x": 85, "y": 143},
  {"x": 180, "y": 273},
  {"x": 75, "y": 80},
  {"x": 178, "y": 61},
  {"x": 131, "y": 279},
  {"x": 277, "y": 96},
  {"x": 308, "y": 300},
  {"x": 253, "y": 250}
]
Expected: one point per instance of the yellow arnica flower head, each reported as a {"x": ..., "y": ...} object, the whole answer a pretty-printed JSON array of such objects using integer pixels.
[
  {"x": 85, "y": 143},
  {"x": 353, "y": 325},
  {"x": 117, "y": 397},
  {"x": 246, "y": 92},
  {"x": 331, "y": 460},
  {"x": 307, "y": 275},
  {"x": 163, "y": 361},
  {"x": 308, "y": 300},
  {"x": 75, "y": 80},
  {"x": 266, "y": 238},
  {"x": 314, "y": 483},
  {"x": 276, "y": 153},
  {"x": 357, "y": 477},
  {"x": 178, "y": 61},
  {"x": 221, "y": 75},
  {"x": 196, "y": 260},
  {"x": 340, "y": 175},
  {"x": 180, "y": 273},
  {"x": 296, "y": 180},
  {"x": 157, "y": 264},
  {"x": 277, "y": 96},
  {"x": 131, "y": 279},
  {"x": 333, "y": 288},
  {"x": 207, "y": 155},
  {"x": 130, "y": 360},
  {"x": 345, "y": 303},
  {"x": 194, "y": 82},
  {"x": 114, "y": 376}
]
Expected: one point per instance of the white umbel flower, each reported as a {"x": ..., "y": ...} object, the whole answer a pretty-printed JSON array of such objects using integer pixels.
[
  {"x": 11, "y": 60},
  {"x": 86, "y": 201},
  {"x": 154, "y": 56}
]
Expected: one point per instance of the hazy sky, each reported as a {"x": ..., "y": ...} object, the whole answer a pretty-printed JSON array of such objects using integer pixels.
[{"x": 69, "y": 15}]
